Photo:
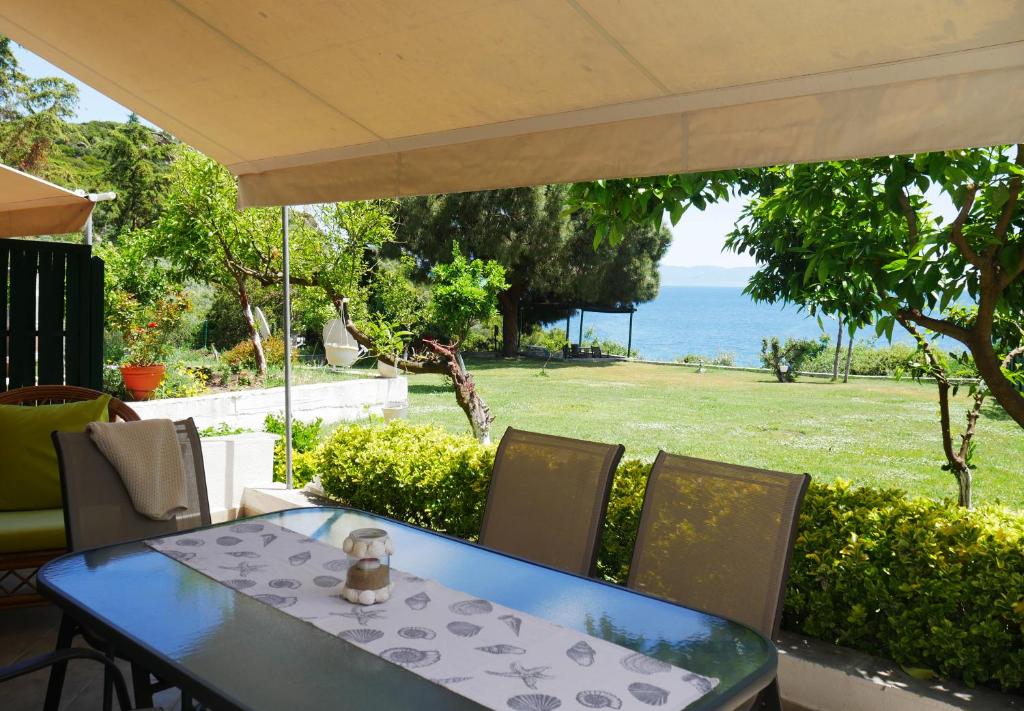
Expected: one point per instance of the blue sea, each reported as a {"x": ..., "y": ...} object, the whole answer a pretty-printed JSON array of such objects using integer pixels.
[{"x": 708, "y": 320}]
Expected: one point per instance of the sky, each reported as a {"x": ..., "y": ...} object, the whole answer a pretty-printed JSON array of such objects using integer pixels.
[{"x": 697, "y": 239}]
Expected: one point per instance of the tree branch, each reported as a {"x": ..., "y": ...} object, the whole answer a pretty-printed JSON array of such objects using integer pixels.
[
  {"x": 939, "y": 373},
  {"x": 909, "y": 213},
  {"x": 1008, "y": 360},
  {"x": 946, "y": 328},
  {"x": 1006, "y": 218},
  {"x": 1009, "y": 207},
  {"x": 427, "y": 366},
  {"x": 956, "y": 229}
]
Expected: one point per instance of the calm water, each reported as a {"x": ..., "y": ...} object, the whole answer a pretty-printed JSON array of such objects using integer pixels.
[{"x": 706, "y": 320}]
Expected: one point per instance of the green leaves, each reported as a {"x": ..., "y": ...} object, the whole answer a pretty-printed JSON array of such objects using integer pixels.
[{"x": 464, "y": 292}]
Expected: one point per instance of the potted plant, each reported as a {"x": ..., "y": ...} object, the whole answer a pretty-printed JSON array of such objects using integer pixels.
[
  {"x": 145, "y": 332},
  {"x": 388, "y": 343}
]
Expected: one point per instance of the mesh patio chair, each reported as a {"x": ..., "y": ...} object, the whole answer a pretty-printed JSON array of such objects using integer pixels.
[
  {"x": 98, "y": 512},
  {"x": 547, "y": 499},
  {"x": 718, "y": 537}
]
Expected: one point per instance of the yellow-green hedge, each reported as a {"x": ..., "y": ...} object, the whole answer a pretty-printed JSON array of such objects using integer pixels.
[{"x": 922, "y": 582}]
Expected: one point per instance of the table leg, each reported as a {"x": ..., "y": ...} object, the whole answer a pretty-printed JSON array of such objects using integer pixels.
[{"x": 56, "y": 684}]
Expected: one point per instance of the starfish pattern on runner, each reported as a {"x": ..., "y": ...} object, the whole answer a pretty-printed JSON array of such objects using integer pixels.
[
  {"x": 361, "y": 614},
  {"x": 529, "y": 675},
  {"x": 244, "y": 568}
]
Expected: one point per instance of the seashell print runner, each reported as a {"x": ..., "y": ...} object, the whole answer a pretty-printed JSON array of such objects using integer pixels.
[{"x": 489, "y": 653}]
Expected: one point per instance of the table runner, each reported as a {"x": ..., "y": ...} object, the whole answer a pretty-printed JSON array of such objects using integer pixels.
[{"x": 492, "y": 654}]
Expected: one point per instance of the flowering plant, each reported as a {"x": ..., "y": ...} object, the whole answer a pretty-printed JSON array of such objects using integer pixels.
[{"x": 146, "y": 330}]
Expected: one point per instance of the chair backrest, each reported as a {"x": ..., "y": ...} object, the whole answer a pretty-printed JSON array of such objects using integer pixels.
[
  {"x": 547, "y": 498},
  {"x": 97, "y": 508},
  {"x": 718, "y": 537},
  {"x": 56, "y": 394}
]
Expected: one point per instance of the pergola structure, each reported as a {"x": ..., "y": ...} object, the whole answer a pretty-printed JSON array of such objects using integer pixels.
[
  {"x": 583, "y": 308},
  {"x": 51, "y": 305},
  {"x": 310, "y": 101},
  {"x": 30, "y": 206}
]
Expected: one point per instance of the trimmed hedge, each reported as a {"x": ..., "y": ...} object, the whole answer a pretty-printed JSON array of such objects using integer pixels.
[{"x": 921, "y": 582}]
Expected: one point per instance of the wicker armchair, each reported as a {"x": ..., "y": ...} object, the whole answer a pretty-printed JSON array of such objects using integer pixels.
[
  {"x": 55, "y": 394},
  {"x": 17, "y": 570}
]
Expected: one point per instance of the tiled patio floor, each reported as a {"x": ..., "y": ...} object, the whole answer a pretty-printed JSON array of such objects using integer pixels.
[{"x": 27, "y": 631}]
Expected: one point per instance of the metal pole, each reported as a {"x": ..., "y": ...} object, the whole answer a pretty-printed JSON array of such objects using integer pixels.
[
  {"x": 629, "y": 342},
  {"x": 88, "y": 230},
  {"x": 581, "y": 329},
  {"x": 287, "y": 351},
  {"x": 567, "y": 339}
]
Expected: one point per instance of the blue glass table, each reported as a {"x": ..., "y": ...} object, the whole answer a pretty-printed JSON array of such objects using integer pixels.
[{"x": 233, "y": 652}]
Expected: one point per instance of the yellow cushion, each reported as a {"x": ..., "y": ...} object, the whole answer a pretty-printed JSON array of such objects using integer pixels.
[
  {"x": 25, "y": 531},
  {"x": 29, "y": 476}
]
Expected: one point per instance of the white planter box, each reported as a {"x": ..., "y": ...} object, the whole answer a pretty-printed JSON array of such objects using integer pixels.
[{"x": 233, "y": 463}]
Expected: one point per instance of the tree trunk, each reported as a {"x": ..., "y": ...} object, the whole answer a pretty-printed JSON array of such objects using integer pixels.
[
  {"x": 466, "y": 394},
  {"x": 849, "y": 357},
  {"x": 990, "y": 367},
  {"x": 449, "y": 362},
  {"x": 508, "y": 304},
  {"x": 839, "y": 350},
  {"x": 250, "y": 321},
  {"x": 956, "y": 461}
]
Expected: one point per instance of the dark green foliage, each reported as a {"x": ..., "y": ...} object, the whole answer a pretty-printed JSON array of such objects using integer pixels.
[
  {"x": 547, "y": 256},
  {"x": 225, "y": 320},
  {"x": 925, "y": 583},
  {"x": 792, "y": 356},
  {"x": 243, "y": 355},
  {"x": 922, "y": 582}
]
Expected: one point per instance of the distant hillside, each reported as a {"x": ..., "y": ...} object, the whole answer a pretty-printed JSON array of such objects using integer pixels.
[{"x": 705, "y": 276}]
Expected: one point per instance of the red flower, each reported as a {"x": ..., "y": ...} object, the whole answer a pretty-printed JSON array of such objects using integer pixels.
[{"x": 151, "y": 324}]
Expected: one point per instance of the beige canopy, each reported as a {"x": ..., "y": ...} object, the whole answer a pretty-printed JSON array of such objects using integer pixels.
[
  {"x": 314, "y": 100},
  {"x": 30, "y": 206}
]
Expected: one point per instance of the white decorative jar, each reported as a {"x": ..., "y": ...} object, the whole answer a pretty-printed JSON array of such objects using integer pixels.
[{"x": 368, "y": 580}]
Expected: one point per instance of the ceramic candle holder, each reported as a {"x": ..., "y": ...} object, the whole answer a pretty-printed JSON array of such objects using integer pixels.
[{"x": 369, "y": 566}]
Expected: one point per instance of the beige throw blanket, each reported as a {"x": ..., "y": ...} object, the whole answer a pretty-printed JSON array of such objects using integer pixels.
[{"x": 147, "y": 457}]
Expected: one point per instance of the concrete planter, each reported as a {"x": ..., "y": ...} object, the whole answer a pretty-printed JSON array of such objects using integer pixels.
[
  {"x": 234, "y": 463},
  {"x": 396, "y": 411}
]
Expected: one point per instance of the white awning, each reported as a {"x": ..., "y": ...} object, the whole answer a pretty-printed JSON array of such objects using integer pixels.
[
  {"x": 313, "y": 100},
  {"x": 30, "y": 206}
]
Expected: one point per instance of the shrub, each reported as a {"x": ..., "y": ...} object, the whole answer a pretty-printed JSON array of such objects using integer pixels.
[
  {"x": 243, "y": 355},
  {"x": 416, "y": 473},
  {"x": 182, "y": 381},
  {"x": 785, "y": 360},
  {"x": 867, "y": 359},
  {"x": 305, "y": 438},
  {"x": 723, "y": 358},
  {"x": 925, "y": 583}
]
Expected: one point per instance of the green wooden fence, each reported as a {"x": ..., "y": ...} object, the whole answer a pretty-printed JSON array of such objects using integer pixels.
[{"x": 51, "y": 299}]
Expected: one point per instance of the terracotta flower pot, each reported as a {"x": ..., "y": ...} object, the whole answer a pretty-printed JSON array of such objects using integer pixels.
[{"x": 141, "y": 381}]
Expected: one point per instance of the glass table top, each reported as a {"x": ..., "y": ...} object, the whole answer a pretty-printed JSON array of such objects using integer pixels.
[{"x": 239, "y": 653}]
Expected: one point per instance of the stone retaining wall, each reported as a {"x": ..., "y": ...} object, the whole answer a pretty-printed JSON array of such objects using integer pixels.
[{"x": 334, "y": 402}]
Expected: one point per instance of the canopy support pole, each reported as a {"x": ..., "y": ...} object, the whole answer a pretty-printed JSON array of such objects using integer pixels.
[
  {"x": 287, "y": 350},
  {"x": 567, "y": 338},
  {"x": 581, "y": 330},
  {"x": 629, "y": 342}
]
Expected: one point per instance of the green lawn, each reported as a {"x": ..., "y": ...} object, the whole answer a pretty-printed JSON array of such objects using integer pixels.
[{"x": 873, "y": 432}]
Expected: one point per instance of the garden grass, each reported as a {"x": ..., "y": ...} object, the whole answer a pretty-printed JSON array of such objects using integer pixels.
[{"x": 878, "y": 432}]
